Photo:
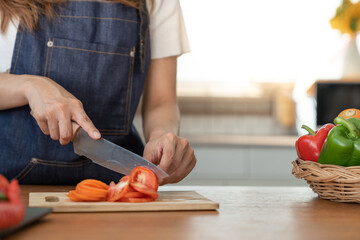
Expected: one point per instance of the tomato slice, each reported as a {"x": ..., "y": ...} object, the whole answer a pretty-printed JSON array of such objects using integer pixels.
[
  {"x": 98, "y": 191},
  {"x": 94, "y": 183},
  {"x": 136, "y": 200},
  {"x": 145, "y": 176},
  {"x": 140, "y": 187},
  {"x": 134, "y": 195},
  {"x": 73, "y": 197},
  {"x": 92, "y": 192},
  {"x": 117, "y": 191},
  {"x": 74, "y": 194},
  {"x": 131, "y": 193}
]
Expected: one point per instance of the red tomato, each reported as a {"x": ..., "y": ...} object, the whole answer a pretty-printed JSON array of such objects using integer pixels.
[
  {"x": 140, "y": 187},
  {"x": 144, "y": 176},
  {"x": 117, "y": 191},
  {"x": 136, "y": 200},
  {"x": 134, "y": 195}
]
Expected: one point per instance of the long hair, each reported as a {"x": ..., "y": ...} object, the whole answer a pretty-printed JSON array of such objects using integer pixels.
[{"x": 28, "y": 12}]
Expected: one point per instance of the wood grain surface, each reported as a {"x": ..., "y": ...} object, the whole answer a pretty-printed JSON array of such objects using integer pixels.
[
  {"x": 167, "y": 201},
  {"x": 244, "y": 213}
]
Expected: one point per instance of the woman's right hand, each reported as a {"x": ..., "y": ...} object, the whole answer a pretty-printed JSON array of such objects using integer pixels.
[{"x": 54, "y": 109}]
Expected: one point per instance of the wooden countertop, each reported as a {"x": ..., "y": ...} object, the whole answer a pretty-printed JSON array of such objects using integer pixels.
[{"x": 245, "y": 213}]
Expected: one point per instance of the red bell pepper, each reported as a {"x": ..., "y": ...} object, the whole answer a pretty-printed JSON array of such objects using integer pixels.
[
  {"x": 12, "y": 209},
  {"x": 308, "y": 147}
]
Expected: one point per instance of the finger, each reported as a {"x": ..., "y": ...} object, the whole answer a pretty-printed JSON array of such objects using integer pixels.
[
  {"x": 75, "y": 129},
  {"x": 65, "y": 128},
  {"x": 84, "y": 121},
  {"x": 152, "y": 155},
  {"x": 180, "y": 172},
  {"x": 167, "y": 161},
  {"x": 182, "y": 148},
  {"x": 42, "y": 124},
  {"x": 53, "y": 126},
  {"x": 182, "y": 151},
  {"x": 44, "y": 127},
  {"x": 185, "y": 166}
]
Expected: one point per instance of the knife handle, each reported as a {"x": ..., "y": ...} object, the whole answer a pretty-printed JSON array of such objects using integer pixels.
[{"x": 76, "y": 128}]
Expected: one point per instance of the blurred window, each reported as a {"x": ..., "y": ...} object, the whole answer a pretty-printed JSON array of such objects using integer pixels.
[{"x": 236, "y": 42}]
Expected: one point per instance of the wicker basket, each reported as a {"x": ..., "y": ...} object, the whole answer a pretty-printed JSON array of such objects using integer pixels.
[{"x": 332, "y": 182}]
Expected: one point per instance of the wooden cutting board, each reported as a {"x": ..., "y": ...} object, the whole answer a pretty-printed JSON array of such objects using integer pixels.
[{"x": 167, "y": 201}]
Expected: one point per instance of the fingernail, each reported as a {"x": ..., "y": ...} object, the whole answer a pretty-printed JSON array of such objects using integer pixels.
[{"x": 96, "y": 134}]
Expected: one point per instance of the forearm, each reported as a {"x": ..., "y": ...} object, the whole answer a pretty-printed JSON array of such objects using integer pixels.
[
  {"x": 12, "y": 91},
  {"x": 160, "y": 110},
  {"x": 161, "y": 119}
]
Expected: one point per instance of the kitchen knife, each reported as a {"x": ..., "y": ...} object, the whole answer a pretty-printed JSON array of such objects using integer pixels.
[{"x": 110, "y": 155}]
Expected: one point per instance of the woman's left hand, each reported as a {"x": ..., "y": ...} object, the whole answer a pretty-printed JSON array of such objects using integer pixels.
[{"x": 172, "y": 154}]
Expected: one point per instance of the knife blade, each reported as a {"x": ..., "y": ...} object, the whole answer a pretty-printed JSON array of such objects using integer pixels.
[{"x": 111, "y": 156}]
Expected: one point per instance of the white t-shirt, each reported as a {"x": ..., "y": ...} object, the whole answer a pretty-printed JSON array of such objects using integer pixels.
[{"x": 167, "y": 33}]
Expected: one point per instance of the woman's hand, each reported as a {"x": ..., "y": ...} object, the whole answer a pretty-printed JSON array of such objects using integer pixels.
[
  {"x": 161, "y": 119},
  {"x": 172, "y": 154},
  {"x": 54, "y": 109}
]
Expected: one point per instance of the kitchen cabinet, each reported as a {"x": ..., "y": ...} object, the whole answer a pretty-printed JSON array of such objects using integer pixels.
[{"x": 243, "y": 165}]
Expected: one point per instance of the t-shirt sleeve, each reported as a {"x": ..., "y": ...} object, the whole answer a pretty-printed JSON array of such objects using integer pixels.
[{"x": 168, "y": 35}]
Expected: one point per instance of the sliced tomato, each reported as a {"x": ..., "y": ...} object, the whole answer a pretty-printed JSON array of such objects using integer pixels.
[
  {"x": 140, "y": 187},
  {"x": 117, "y": 191},
  {"x": 95, "y": 193},
  {"x": 136, "y": 200},
  {"x": 73, "y": 197},
  {"x": 94, "y": 183},
  {"x": 131, "y": 189},
  {"x": 134, "y": 195},
  {"x": 92, "y": 189},
  {"x": 74, "y": 194},
  {"x": 145, "y": 176}
]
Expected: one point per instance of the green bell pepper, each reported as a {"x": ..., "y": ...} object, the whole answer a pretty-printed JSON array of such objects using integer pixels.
[{"x": 342, "y": 146}]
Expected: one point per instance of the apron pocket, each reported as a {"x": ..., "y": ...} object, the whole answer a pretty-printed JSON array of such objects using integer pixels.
[
  {"x": 35, "y": 161},
  {"x": 99, "y": 75}
]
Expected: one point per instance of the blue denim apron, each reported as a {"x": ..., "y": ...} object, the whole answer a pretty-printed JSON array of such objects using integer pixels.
[{"x": 99, "y": 52}]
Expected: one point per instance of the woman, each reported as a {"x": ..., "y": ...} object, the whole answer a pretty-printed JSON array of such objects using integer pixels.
[{"x": 88, "y": 62}]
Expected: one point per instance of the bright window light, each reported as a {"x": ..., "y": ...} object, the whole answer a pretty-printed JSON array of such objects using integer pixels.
[{"x": 239, "y": 41}]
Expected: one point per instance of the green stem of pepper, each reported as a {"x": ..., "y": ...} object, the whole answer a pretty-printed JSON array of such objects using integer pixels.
[
  {"x": 310, "y": 131},
  {"x": 3, "y": 197},
  {"x": 353, "y": 131}
]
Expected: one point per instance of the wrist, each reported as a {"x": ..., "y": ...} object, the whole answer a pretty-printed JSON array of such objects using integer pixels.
[
  {"x": 24, "y": 86},
  {"x": 160, "y": 132},
  {"x": 27, "y": 84}
]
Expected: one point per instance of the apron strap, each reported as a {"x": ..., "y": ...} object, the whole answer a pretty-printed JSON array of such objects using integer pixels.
[{"x": 144, "y": 30}]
